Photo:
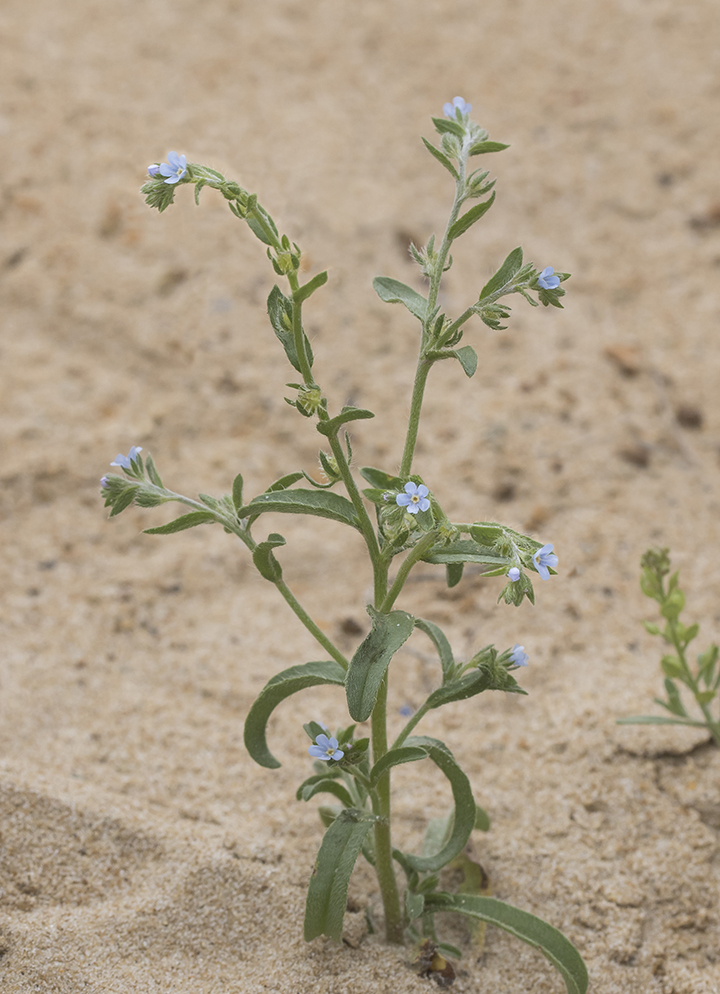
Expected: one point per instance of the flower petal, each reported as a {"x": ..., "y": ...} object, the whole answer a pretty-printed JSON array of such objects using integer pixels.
[
  {"x": 422, "y": 490},
  {"x": 410, "y": 488},
  {"x": 402, "y": 500}
]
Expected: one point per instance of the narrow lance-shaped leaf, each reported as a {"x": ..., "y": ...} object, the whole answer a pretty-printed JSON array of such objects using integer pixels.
[
  {"x": 303, "y": 292},
  {"x": 442, "y": 159},
  {"x": 380, "y": 479},
  {"x": 404, "y": 754},
  {"x": 320, "y": 503},
  {"x": 439, "y": 640},
  {"x": 470, "y": 217},
  {"x": 265, "y": 562},
  {"x": 237, "y": 492},
  {"x": 327, "y": 892},
  {"x": 331, "y": 427},
  {"x": 480, "y": 148},
  {"x": 395, "y": 292},
  {"x": 552, "y": 944},
  {"x": 183, "y": 522},
  {"x": 290, "y": 681},
  {"x": 279, "y": 309},
  {"x": 464, "y": 805},
  {"x": 328, "y": 786},
  {"x": 505, "y": 273},
  {"x": 372, "y": 658}
]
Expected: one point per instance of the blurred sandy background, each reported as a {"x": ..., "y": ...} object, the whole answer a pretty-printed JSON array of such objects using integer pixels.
[{"x": 140, "y": 849}]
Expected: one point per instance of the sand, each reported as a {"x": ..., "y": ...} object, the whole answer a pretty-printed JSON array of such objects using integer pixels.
[{"x": 140, "y": 848}]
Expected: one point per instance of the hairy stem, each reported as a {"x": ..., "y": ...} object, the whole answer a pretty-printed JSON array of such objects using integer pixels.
[{"x": 383, "y": 843}]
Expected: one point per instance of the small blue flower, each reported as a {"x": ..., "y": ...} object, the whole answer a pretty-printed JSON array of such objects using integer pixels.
[
  {"x": 457, "y": 104},
  {"x": 124, "y": 462},
  {"x": 546, "y": 279},
  {"x": 414, "y": 499},
  {"x": 543, "y": 558},
  {"x": 153, "y": 170},
  {"x": 325, "y": 748},
  {"x": 513, "y": 573},
  {"x": 518, "y": 656},
  {"x": 176, "y": 169},
  {"x": 104, "y": 481},
  {"x": 406, "y": 711}
]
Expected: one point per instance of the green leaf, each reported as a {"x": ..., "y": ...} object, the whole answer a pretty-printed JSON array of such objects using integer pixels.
[
  {"x": 480, "y": 148},
  {"x": 280, "y": 309},
  {"x": 403, "y": 754},
  {"x": 705, "y": 696},
  {"x": 321, "y": 503},
  {"x": 469, "y": 685},
  {"x": 671, "y": 666},
  {"x": 328, "y": 785},
  {"x": 467, "y": 357},
  {"x": 439, "y": 640},
  {"x": 327, "y": 892},
  {"x": 551, "y": 943},
  {"x": 123, "y": 500},
  {"x": 183, "y": 522},
  {"x": 275, "y": 691},
  {"x": 482, "y": 819},
  {"x": 470, "y": 217},
  {"x": 444, "y": 126},
  {"x": 442, "y": 159},
  {"x": 330, "y": 773},
  {"x": 372, "y": 658},
  {"x": 464, "y": 551},
  {"x": 265, "y": 562},
  {"x": 303, "y": 292},
  {"x": 674, "y": 703},
  {"x": 395, "y": 292},
  {"x": 504, "y": 274},
  {"x": 414, "y": 905},
  {"x": 380, "y": 479},
  {"x": 333, "y": 426},
  {"x": 284, "y": 482},
  {"x": 453, "y": 573},
  {"x": 237, "y": 492},
  {"x": 464, "y": 820},
  {"x": 257, "y": 227},
  {"x": 153, "y": 473}
]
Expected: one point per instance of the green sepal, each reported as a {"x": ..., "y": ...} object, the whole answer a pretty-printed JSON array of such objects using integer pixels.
[
  {"x": 124, "y": 500},
  {"x": 444, "y": 126},
  {"x": 505, "y": 273},
  {"x": 394, "y": 292},
  {"x": 439, "y": 640},
  {"x": 158, "y": 194},
  {"x": 395, "y": 757},
  {"x": 380, "y": 479},
  {"x": 321, "y": 503},
  {"x": 265, "y": 562},
  {"x": 198, "y": 187},
  {"x": 442, "y": 159},
  {"x": 302, "y": 293},
  {"x": 286, "y": 683},
  {"x": 470, "y": 217},
  {"x": 280, "y": 310},
  {"x": 183, "y": 522},
  {"x": 464, "y": 817},
  {"x": 552, "y": 944},
  {"x": 372, "y": 658},
  {"x": 453, "y": 573},
  {"x": 327, "y": 892},
  {"x": 326, "y": 785},
  {"x": 152, "y": 472},
  {"x": 480, "y": 148},
  {"x": 331, "y": 427}
]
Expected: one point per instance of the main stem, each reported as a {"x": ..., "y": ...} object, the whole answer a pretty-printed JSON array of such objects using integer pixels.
[{"x": 383, "y": 842}]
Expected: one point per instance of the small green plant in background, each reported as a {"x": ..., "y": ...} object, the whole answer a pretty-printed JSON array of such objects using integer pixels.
[
  {"x": 397, "y": 515},
  {"x": 701, "y": 679}
]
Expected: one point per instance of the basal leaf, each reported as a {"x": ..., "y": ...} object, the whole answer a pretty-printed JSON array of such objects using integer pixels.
[
  {"x": 552, "y": 943},
  {"x": 327, "y": 892},
  {"x": 372, "y": 658},
  {"x": 275, "y": 691}
]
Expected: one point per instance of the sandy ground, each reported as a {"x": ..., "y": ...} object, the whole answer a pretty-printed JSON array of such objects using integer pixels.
[{"x": 140, "y": 849}]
